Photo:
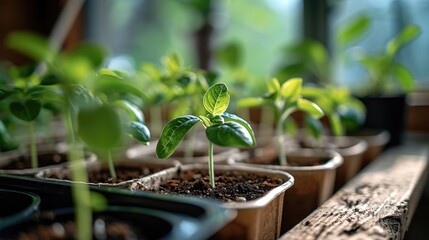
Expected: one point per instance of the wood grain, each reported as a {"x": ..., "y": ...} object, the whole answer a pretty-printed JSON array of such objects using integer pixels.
[{"x": 377, "y": 204}]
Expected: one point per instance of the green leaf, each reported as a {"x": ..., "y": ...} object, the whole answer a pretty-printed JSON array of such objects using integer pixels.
[
  {"x": 353, "y": 30},
  {"x": 229, "y": 117},
  {"x": 4, "y": 93},
  {"x": 173, "y": 133},
  {"x": 229, "y": 134},
  {"x": 229, "y": 55},
  {"x": 313, "y": 127},
  {"x": 409, "y": 33},
  {"x": 310, "y": 108},
  {"x": 50, "y": 79},
  {"x": 404, "y": 76},
  {"x": 30, "y": 44},
  {"x": 291, "y": 89},
  {"x": 134, "y": 113},
  {"x": 94, "y": 53},
  {"x": 336, "y": 125},
  {"x": 251, "y": 102},
  {"x": 312, "y": 92},
  {"x": 100, "y": 127},
  {"x": 273, "y": 85},
  {"x": 26, "y": 110},
  {"x": 351, "y": 115},
  {"x": 206, "y": 121},
  {"x": 98, "y": 201},
  {"x": 109, "y": 80},
  {"x": 216, "y": 99},
  {"x": 140, "y": 132}
]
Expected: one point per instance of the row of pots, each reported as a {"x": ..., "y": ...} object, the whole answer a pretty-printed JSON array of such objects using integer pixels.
[{"x": 316, "y": 173}]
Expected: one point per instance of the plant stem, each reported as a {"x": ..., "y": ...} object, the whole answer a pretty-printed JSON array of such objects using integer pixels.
[
  {"x": 111, "y": 165},
  {"x": 33, "y": 147},
  {"x": 211, "y": 166},
  {"x": 280, "y": 135},
  {"x": 80, "y": 191}
]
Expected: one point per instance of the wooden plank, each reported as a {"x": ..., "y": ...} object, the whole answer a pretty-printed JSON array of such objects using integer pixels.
[{"x": 377, "y": 204}]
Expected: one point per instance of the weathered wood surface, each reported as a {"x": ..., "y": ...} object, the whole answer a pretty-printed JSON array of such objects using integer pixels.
[{"x": 377, "y": 204}]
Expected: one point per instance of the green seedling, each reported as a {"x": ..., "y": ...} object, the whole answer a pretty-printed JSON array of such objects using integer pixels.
[
  {"x": 343, "y": 111},
  {"x": 221, "y": 128},
  {"x": 386, "y": 74},
  {"x": 284, "y": 99}
]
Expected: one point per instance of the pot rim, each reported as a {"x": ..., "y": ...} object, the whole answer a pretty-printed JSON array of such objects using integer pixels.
[
  {"x": 27, "y": 211},
  {"x": 380, "y": 137},
  {"x": 333, "y": 163},
  {"x": 253, "y": 204}
]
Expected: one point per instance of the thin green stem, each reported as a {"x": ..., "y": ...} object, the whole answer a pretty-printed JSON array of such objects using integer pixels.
[
  {"x": 33, "y": 147},
  {"x": 80, "y": 191},
  {"x": 211, "y": 166},
  {"x": 280, "y": 135},
  {"x": 111, "y": 165}
]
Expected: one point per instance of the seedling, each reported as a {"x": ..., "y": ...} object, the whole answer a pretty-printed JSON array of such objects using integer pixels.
[
  {"x": 222, "y": 128},
  {"x": 383, "y": 69},
  {"x": 284, "y": 99},
  {"x": 343, "y": 111}
]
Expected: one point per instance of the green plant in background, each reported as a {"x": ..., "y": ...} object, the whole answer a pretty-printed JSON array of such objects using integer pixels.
[
  {"x": 89, "y": 101},
  {"x": 26, "y": 96},
  {"x": 310, "y": 58},
  {"x": 383, "y": 69},
  {"x": 284, "y": 99},
  {"x": 100, "y": 124},
  {"x": 222, "y": 128},
  {"x": 172, "y": 84},
  {"x": 343, "y": 111}
]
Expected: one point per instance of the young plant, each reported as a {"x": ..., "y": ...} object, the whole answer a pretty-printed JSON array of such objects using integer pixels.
[
  {"x": 284, "y": 99},
  {"x": 383, "y": 69},
  {"x": 343, "y": 111},
  {"x": 100, "y": 123},
  {"x": 222, "y": 128},
  {"x": 25, "y": 101}
]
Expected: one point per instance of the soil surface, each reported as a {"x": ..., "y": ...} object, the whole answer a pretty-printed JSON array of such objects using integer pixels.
[
  {"x": 103, "y": 228},
  {"x": 230, "y": 186},
  {"x": 24, "y": 162},
  {"x": 102, "y": 175}
]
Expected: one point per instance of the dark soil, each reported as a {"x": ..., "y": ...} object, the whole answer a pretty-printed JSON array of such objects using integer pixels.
[
  {"x": 103, "y": 228},
  {"x": 44, "y": 159},
  {"x": 123, "y": 173},
  {"x": 230, "y": 186}
]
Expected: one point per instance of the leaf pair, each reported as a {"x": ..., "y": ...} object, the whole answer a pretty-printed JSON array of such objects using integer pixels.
[{"x": 222, "y": 128}]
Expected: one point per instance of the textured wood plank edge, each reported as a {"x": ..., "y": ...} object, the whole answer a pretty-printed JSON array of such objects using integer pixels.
[{"x": 377, "y": 204}]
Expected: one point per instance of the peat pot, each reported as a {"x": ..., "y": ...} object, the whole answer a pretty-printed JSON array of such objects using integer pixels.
[
  {"x": 16, "y": 206},
  {"x": 49, "y": 155},
  {"x": 376, "y": 140},
  {"x": 352, "y": 150},
  {"x": 256, "y": 219},
  {"x": 127, "y": 171},
  {"x": 314, "y": 171}
]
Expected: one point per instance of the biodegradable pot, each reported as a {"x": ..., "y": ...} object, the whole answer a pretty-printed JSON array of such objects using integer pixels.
[
  {"x": 199, "y": 147},
  {"x": 386, "y": 112},
  {"x": 16, "y": 206},
  {"x": 352, "y": 150},
  {"x": 376, "y": 140},
  {"x": 49, "y": 155},
  {"x": 256, "y": 219},
  {"x": 314, "y": 172},
  {"x": 138, "y": 168}
]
